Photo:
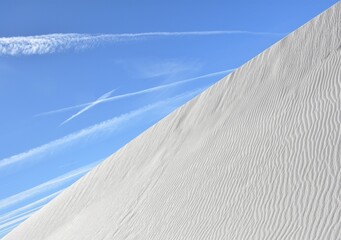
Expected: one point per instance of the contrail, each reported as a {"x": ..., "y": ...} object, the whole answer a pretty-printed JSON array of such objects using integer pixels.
[
  {"x": 91, "y": 105},
  {"x": 49, "y": 185},
  {"x": 144, "y": 91},
  {"x": 59, "y": 42}
]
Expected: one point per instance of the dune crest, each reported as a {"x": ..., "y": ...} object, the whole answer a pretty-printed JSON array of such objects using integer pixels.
[{"x": 256, "y": 156}]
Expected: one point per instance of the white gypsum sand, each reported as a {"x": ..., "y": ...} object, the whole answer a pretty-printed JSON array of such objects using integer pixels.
[{"x": 256, "y": 156}]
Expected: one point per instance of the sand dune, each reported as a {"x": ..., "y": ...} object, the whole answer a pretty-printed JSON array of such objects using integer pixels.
[{"x": 256, "y": 156}]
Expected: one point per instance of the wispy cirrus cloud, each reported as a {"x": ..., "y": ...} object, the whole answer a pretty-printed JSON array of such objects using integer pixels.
[
  {"x": 53, "y": 43},
  {"x": 144, "y": 91},
  {"x": 103, "y": 127}
]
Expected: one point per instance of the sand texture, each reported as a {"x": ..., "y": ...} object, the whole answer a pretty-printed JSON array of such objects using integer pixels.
[{"x": 256, "y": 156}]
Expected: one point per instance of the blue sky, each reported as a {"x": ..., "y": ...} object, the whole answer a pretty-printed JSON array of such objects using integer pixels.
[{"x": 79, "y": 79}]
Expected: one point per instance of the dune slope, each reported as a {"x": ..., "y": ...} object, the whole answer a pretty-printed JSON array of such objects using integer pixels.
[{"x": 256, "y": 156}]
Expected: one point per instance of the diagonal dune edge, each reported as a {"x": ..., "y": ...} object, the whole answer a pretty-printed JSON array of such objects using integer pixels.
[{"x": 256, "y": 156}]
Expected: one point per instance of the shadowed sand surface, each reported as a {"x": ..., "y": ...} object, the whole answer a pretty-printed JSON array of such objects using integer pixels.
[{"x": 256, "y": 156}]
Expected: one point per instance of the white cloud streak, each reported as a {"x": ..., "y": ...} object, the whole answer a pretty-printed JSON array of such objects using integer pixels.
[
  {"x": 53, "y": 43},
  {"x": 12, "y": 219},
  {"x": 90, "y": 105},
  {"x": 144, "y": 91},
  {"x": 5, "y": 231},
  {"x": 102, "y": 127},
  {"x": 7, "y": 221},
  {"x": 27, "y": 208},
  {"x": 47, "y": 186},
  {"x": 169, "y": 68},
  {"x": 8, "y": 226}
]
